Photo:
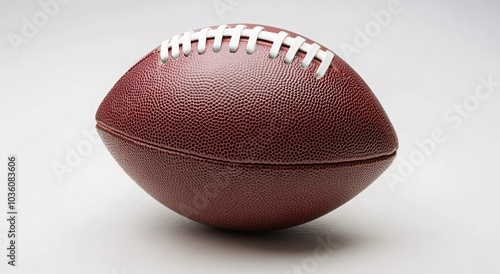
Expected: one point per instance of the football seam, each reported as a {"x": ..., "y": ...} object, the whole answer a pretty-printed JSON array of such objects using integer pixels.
[
  {"x": 171, "y": 49},
  {"x": 186, "y": 154}
]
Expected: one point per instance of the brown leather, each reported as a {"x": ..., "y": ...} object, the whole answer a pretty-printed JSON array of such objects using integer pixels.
[
  {"x": 299, "y": 146},
  {"x": 241, "y": 196}
]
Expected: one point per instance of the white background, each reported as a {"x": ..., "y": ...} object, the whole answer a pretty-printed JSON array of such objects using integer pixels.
[{"x": 436, "y": 210}]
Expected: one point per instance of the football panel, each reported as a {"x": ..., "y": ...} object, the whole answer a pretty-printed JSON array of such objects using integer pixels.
[
  {"x": 244, "y": 197},
  {"x": 249, "y": 109}
]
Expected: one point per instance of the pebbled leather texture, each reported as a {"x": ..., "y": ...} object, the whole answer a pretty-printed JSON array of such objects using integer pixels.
[{"x": 300, "y": 146}]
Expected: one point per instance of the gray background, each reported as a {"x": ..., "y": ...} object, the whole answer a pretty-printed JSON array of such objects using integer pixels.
[{"x": 436, "y": 210}]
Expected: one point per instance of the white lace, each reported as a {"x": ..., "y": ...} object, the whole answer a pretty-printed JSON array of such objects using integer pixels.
[{"x": 280, "y": 39}]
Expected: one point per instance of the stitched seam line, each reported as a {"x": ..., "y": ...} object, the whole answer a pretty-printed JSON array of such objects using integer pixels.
[{"x": 169, "y": 150}]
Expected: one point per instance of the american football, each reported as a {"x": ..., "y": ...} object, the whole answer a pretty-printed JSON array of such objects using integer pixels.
[{"x": 246, "y": 127}]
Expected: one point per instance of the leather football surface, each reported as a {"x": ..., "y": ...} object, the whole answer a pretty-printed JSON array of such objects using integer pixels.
[{"x": 242, "y": 141}]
